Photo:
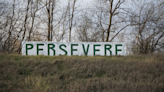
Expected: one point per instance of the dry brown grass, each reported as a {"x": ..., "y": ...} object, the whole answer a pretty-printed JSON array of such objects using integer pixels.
[{"x": 139, "y": 73}]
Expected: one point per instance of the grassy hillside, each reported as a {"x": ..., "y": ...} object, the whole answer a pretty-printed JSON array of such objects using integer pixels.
[{"x": 82, "y": 74}]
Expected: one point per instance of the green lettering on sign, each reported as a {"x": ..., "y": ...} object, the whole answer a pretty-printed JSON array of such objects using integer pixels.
[
  {"x": 94, "y": 49},
  {"x": 28, "y": 48},
  {"x": 52, "y": 48},
  {"x": 38, "y": 48},
  {"x": 85, "y": 52},
  {"x": 117, "y": 48},
  {"x": 110, "y": 46},
  {"x": 72, "y": 48},
  {"x": 63, "y": 49}
]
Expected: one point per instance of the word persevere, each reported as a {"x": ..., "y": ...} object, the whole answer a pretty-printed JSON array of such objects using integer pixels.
[{"x": 73, "y": 48}]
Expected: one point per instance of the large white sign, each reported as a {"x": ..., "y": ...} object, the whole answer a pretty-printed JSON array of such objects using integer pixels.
[{"x": 73, "y": 48}]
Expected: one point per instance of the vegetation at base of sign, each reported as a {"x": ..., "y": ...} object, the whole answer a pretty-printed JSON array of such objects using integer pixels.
[{"x": 136, "y": 73}]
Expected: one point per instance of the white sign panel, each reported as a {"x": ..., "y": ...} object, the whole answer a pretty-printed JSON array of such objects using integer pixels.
[{"x": 73, "y": 48}]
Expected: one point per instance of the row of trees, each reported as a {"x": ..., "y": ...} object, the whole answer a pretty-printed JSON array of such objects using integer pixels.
[{"x": 138, "y": 23}]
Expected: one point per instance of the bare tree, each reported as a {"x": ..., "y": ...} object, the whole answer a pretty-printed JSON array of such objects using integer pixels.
[
  {"x": 149, "y": 31},
  {"x": 71, "y": 9},
  {"x": 50, "y": 11},
  {"x": 9, "y": 23},
  {"x": 24, "y": 27},
  {"x": 3, "y": 22},
  {"x": 86, "y": 29},
  {"x": 34, "y": 9},
  {"x": 110, "y": 14},
  {"x": 53, "y": 15}
]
